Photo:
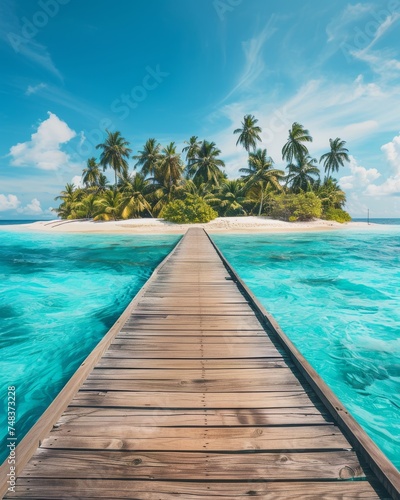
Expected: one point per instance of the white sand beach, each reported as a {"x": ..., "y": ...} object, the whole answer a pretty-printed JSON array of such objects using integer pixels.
[{"x": 159, "y": 226}]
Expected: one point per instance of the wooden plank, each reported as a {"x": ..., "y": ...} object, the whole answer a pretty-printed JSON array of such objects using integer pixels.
[
  {"x": 186, "y": 364},
  {"x": 195, "y": 466},
  {"x": 275, "y": 375},
  {"x": 93, "y": 489},
  {"x": 191, "y": 399},
  {"x": 76, "y": 416},
  {"x": 108, "y": 436}
]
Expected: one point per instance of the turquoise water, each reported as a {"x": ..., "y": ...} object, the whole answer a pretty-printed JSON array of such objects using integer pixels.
[
  {"x": 337, "y": 296},
  {"x": 59, "y": 295}
]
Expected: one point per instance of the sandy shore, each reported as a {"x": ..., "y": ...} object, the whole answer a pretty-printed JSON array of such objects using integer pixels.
[{"x": 159, "y": 226}]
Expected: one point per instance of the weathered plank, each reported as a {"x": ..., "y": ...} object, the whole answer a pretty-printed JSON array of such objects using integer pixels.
[
  {"x": 65, "y": 489},
  {"x": 120, "y": 436},
  {"x": 332, "y": 465}
]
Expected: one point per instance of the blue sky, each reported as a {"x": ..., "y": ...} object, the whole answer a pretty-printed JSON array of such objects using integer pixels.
[{"x": 174, "y": 68}]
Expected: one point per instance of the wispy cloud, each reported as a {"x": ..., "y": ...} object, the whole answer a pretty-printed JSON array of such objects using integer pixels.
[
  {"x": 32, "y": 89},
  {"x": 25, "y": 45},
  {"x": 337, "y": 29},
  {"x": 254, "y": 58}
]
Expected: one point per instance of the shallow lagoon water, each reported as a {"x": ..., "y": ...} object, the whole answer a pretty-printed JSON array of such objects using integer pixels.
[
  {"x": 60, "y": 294},
  {"x": 336, "y": 295}
]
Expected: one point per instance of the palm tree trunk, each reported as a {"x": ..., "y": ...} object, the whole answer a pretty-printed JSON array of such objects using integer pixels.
[{"x": 262, "y": 201}]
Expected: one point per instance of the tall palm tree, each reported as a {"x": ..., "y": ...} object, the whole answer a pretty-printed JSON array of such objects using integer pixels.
[
  {"x": 135, "y": 191},
  {"x": 295, "y": 147},
  {"x": 91, "y": 173},
  {"x": 336, "y": 157},
  {"x": 302, "y": 175},
  {"x": 206, "y": 167},
  {"x": 249, "y": 134},
  {"x": 192, "y": 149},
  {"x": 170, "y": 167},
  {"x": 260, "y": 171},
  {"x": 149, "y": 157},
  {"x": 115, "y": 153}
]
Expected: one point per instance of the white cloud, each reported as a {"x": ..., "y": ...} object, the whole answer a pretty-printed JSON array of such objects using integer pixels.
[
  {"x": 32, "y": 208},
  {"x": 8, "y": 202},
  {"x": 32, "y": 89},
  {"x": 392, "y": 153},
  {"x": 44, "y": 149},
  {"x": 391, "y": 186},
  {"x": 360, "y": 176},
  {"x": 77, "y": 181}
]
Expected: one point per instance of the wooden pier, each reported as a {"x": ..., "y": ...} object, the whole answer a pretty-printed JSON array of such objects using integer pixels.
[{"x": 197, "y": 394}]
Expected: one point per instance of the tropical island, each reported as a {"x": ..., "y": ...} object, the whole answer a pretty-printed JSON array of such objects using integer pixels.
[{"x": 198, "y": 189}]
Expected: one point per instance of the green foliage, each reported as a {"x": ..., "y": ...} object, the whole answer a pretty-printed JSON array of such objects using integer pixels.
[
  {"x": 192, "y": 209},
  {"x": 337, "y": 214},
  {"x": 296, "y": 207},
  {"x": 198, "y": 191}
]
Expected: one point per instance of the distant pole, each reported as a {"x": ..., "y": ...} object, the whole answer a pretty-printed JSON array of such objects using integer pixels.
[{"x": 368, "y": 217}]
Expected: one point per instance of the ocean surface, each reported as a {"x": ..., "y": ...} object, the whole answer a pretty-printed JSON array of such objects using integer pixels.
[
  {"x": 59, "y": 295},
  {"x": 336, "y": 295}
]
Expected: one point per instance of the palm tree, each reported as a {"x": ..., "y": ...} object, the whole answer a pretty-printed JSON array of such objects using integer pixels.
[
  {"x": 249, "y": 134},
  {"x": 91, "y": 173},
  {"x": 336, "y": 156},
  {"x": 330, "y": 194},
  {"x": 170, "y": 167},
  {"x": 149, "y": 157},
  {"x": 109, "y": 206},
  {"x": 232, "y": 198},
  {"x": 206, "y": 167},
  {"x": 115, "y": 153},
  {"x": 192, "y": 149},
  {"x": 260, "y": 172},
  {"x": 302, "y": 175},
  {"x": 135, "y": 190},
  {"x": 87, "y": 208},
  {"x": 102, "y": 183},
  {"x": 294, "y": 148},
  {"x": 68, "y": 194},
  {"x": 164, "y": 193},
  {"x": 69, "y": 197}
]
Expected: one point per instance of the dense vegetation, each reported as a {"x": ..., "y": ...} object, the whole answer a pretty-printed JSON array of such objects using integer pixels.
[{"x": 198, "y": 190}]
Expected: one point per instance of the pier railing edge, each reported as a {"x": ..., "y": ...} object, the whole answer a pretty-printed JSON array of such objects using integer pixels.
[
  {"x": 382, "y": 467},
  {"x": 32, "y": 440}
]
